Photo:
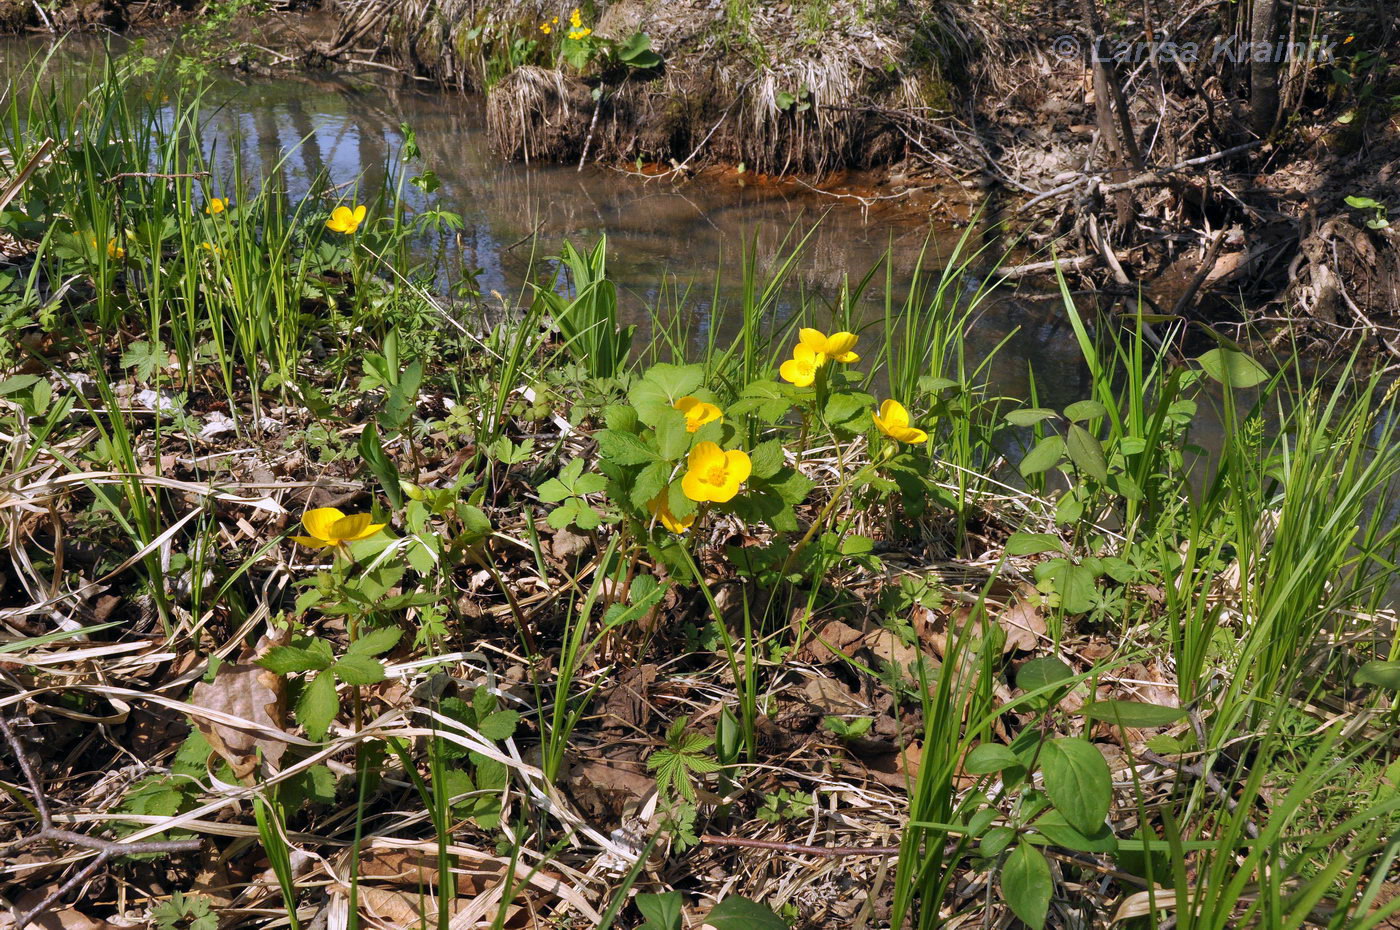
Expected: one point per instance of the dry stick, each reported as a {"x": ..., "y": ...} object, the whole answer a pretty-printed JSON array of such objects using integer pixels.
[
  {"x": 800, "y": 849},
  {"x": 1188, "y": 296},
  {"x": 1203, "y": 773},
  {"x": 105, "y": 849}
]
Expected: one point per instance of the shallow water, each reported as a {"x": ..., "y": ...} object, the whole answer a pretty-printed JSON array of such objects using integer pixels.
[{"x": 665, "y": 237}]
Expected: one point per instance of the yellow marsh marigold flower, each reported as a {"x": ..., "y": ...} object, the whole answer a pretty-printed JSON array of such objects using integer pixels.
[
  {"x": 713, "y": 474},
  {"x": 114, "y": 250},
  {"x": 801, "y": 369},
  {"x": 836, "y": 347},
  {"x": 697, "y": 412},
  {"x": 545, "y": 28},
  {"x": 574, "y": 19},
  {"x": 327, "y": 526},
  {"x": 345, "y": 220},
  {"x": 661, "y": 510},
  {"x": 893, "y": 421},
  {"x": 216, "y": 206}
]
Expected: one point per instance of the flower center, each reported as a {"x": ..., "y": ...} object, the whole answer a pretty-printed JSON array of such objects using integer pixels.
[{"x": 716, "y": 474}]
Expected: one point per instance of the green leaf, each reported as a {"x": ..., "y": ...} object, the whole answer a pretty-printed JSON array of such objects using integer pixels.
[
  {"x": 1044, "y": 456},
  {"x": 739, "y": 913},
  {"x": 662, "y": 911},
  {"x": 284, "y": 660},
  {"x": 1029, "y": 416},
  {"x": 995, "y": 841},
  {"x": 318, "y": 705},
  {"x": 986, "y": 758},
  {"x": 1039, "y": 673},
  {"x": 623, "y": 448},
  {"x": 380, "y": 465},
  {"x": 767, "y": 458},
  {"x": 1058, "y": 832},
  {"x": 1078, "y": 782},
  {"x": 1026, "y": 885},
  {"x": 672, "y": 436},
  {"x": 1086, "y": 452},
  {"x": 359, "y": 669},
  {"x": 1232, "y": 368},
  {"x": 1032, "y": 543},
  {"x": 1082, "y": 410},
  {"x": 499, "y": 725},
  {"x": 375, "y": 642},
  {"x": 1132, "y": 713},
  {"x": 1379, "y": 673}
]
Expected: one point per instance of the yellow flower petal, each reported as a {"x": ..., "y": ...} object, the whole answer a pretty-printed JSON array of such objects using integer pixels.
[
  {"x": 361, "y": 210},
  {"x": 814, "y": 339},
  {"x": 697, "y": 412},
  {"x": 839, "y": 345},
  {"x": 320, "y": 523},
  {"x": 740, "y": 466},
  {"x": 797, "y": 372},
  {"x": 310, "y": 543},
  {"x": 355, "y": 527},
  {"x": 894, "y": 414}
]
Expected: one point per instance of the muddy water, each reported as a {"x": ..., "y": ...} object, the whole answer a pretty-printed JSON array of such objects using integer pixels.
[{"x": 667, "y": 237}]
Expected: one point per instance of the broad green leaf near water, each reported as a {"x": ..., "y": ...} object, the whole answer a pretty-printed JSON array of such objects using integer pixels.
[
  {"x": 1232, "y": 368},
  {"x": 1044, "y": 456},
  {"x": 1086, "y": 452}
]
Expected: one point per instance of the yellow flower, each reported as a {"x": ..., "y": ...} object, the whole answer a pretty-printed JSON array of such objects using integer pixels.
[
  {"x": 661, "y": 510},
  {"x": 555, "y": 20},
  {"x": 216, "y": 205},
  {"x": 211, "y": 247},
  {"x": 544, "y": 27},
  {"x": 580, "y": 34},
  {"x": 345, "y": 220},
  {"x": 114, "y": 250},
  {"x": 836, "y": 347},
  {"x": 574, "y": 19},
  {"x": 327, "y": 526},
  {"x": 802, "y": 368},
  {"x": 893, "y": 421},
  {"x": 713, "y": 474},
  {"x": 697, "y": 412}
]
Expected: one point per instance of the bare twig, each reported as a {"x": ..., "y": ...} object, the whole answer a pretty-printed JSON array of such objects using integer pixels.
[
  {"x": 105, "y": 849},
  {"x": 799, "y": 849}
]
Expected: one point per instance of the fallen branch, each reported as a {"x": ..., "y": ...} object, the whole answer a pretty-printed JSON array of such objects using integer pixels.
[
  {"x": 799, "y": 849},
  {"x": 105, "y": 849}
]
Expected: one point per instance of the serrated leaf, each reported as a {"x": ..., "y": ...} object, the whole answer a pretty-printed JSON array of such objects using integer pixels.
[
  {"x": 499, "y": 725},
  {"x": 766, "y": 458},
  {"x": 623, "y": 448},
  {"x": 359, "y": 669},
  {"x": 375, "y": 642},
  {"x": 318, "y": 705},
  {"x": 286, "y": 660}
]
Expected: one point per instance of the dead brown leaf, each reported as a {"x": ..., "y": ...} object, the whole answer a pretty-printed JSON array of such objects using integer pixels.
[{"x": 249, "y": 693}]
